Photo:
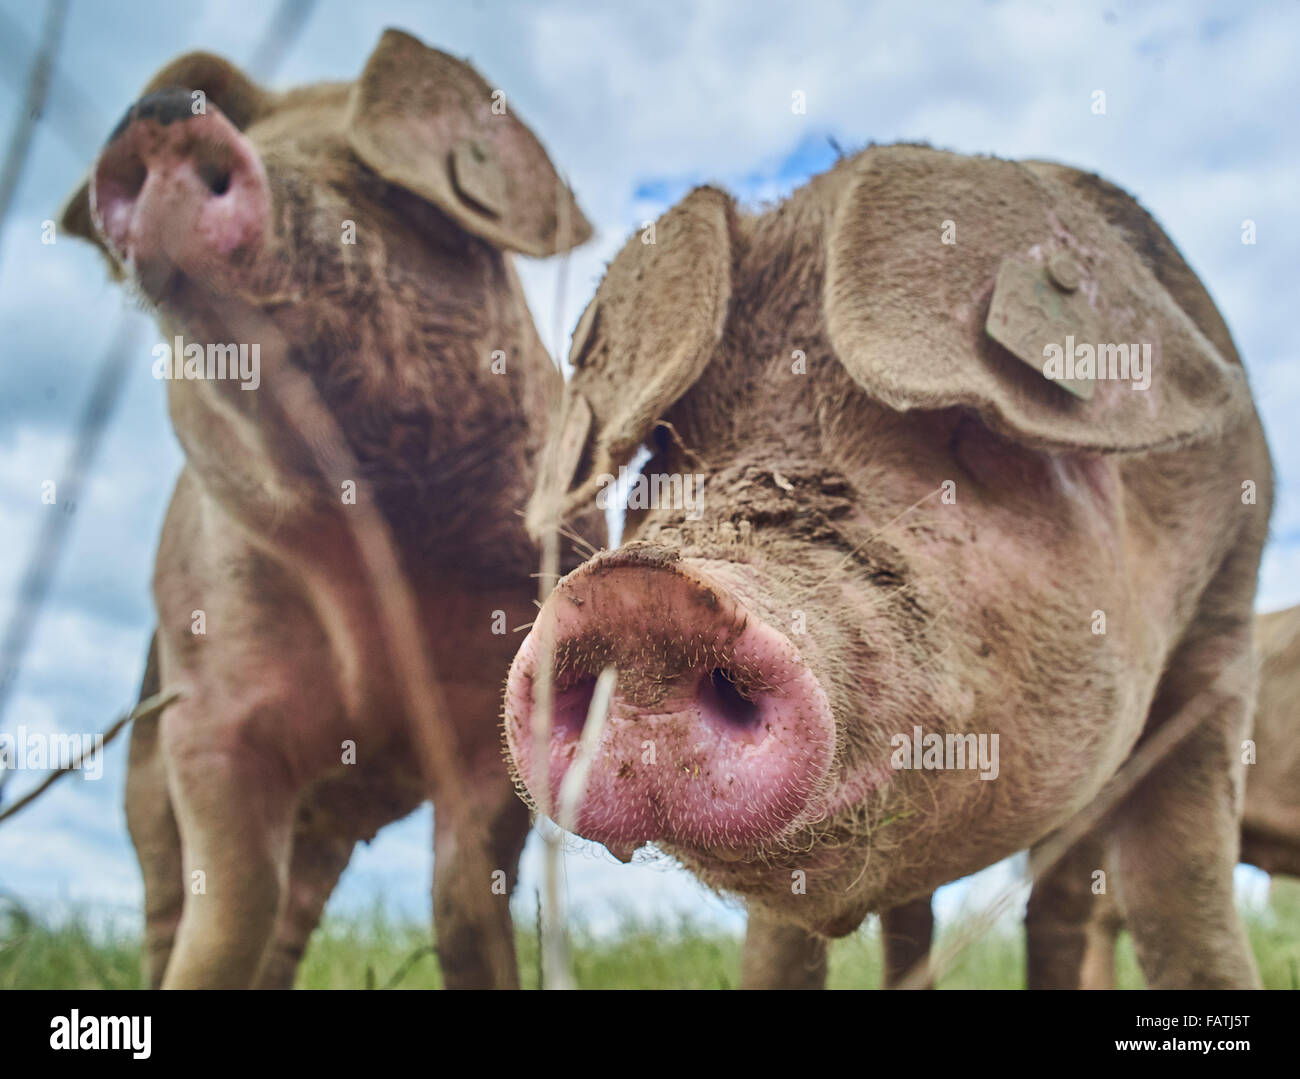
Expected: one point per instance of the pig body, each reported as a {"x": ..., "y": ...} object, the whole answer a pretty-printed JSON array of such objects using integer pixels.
[
  {"x": 1270, "y": 824},
  {"x": 1072, "y": 932},
  {"x": 357, "y": 234},
  {"x": 905, "y": 524}
]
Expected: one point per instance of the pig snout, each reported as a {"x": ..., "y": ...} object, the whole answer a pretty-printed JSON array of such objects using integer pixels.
[
  {"x": 718, "y": 735},
  {"x": 178, "y": 191}
]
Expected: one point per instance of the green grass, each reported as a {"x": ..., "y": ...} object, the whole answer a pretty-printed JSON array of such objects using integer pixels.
[{"x": 377, "y": 951}]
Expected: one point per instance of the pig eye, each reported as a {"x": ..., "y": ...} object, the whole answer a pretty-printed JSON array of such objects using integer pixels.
[
  {"x": 976, "y": 451},
  {"x": 996, "y": 462}
]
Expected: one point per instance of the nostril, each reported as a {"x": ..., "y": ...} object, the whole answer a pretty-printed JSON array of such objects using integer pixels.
[
  {"x": 215, "y": 178},
  {"x": 572, "y": 703},
  {"x": 725, "y": 698}
]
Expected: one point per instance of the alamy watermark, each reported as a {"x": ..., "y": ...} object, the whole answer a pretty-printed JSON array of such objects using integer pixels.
[
  {"x": 1084, "y": 363},
  {"x": 35, "y": 751},
  {"x": 77, "y": 1031},
  {"x": 946, "y": 752},
  {"x": 238, "y": 363},
  {"x": 657, "y": 491}
]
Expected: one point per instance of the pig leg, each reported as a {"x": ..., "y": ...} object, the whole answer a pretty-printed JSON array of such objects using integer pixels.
[
  {"x": 235, "y": 807},
  {"x": 1103, "y": 933},
  {"x": 781, "y": 956},
  {"x": 1272, "y": 850},
  {"x": 906, "y": 931},
  {"x": 1176, "y": 836},
  {"x": 318, "y": 861},
  {"x": 476, "y": 849},
  {"x": 154, "y": 835},
  {"x": 1060, "y": 914}
]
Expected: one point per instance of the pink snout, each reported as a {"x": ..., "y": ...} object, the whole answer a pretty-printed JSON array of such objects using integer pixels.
[
  {"x": 718, "y": 734},
  {"x": 173, "y": 190}
]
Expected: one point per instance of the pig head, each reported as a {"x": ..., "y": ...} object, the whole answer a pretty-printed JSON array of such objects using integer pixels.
[
  {"x": 936, "y": 591},
  {"x": 349, "y": 245},
  {"x": 334, "y": 221}
]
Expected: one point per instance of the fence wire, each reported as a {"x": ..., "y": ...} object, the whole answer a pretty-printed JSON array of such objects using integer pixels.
[
  {"x": 32, "y": 105},
  {"x": 126, "y": 342}
]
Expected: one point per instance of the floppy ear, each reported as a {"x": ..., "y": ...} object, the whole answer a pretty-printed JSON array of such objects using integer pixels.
[
  {"x": 923, "y": 324},
  {"x": 237, "y": 96},
  {"x": 234, "y": 93},
  {"x": 74, "y": 219},
  {"x": 424, "y": 120},
  {"x": 644, "y": 339},
  {"x": 1157, "y": 251}
]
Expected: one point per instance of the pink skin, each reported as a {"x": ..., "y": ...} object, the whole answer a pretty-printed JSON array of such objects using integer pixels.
[
  {"x": 738, "y": 757},
  {"x": 190, "y": 195}
]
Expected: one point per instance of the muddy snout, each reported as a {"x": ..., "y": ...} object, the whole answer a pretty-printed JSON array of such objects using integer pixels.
[
  {"x": 718, "y": 734},
  {"x": 175, "y": 190}
]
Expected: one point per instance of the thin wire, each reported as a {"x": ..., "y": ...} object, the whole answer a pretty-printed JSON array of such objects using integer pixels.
[
  {"x": 287, "y": 24},
  {"x": 34, "y": 588},
  {"x": 33, "y": 104},
  {"x": 150, "y": 706},
  {"x": 126, "y": 346},
  {"x": 71, "y": 112}
]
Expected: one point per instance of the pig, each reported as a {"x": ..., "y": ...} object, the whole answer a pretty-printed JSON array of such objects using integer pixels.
[
  {"x": 1071, "y": 933},
  {"x": 1270, "y": 824},
  {"x": 358, "y": 237},
  {"x": 923, "y": 516}
]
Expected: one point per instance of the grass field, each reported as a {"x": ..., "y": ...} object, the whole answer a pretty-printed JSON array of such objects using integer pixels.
[{"x": 377, "y": 952}]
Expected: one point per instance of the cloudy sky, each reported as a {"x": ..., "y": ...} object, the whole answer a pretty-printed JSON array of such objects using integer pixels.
[{"x": 637, "y": 102}]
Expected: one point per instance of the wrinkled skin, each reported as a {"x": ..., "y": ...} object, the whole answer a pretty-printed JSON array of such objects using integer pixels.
[
  {"x": 294, "y": 738},
  {"x": 825, "y": 598}
]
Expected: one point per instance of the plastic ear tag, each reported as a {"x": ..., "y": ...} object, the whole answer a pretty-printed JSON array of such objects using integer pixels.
[
  {"x": 477, "y": 178},
  {"x": 1037, "y": 317}
]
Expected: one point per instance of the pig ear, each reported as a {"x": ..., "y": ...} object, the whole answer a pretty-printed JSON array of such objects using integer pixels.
[
  {"x": 641, "y": 343},
  {"x": 74, "y": 220},
  {"x": 1140, "y": 231},
  {"x": 240, "y": 99},
  {"x": 950, "y": 279},
  {"x": 429, "y": 123}
]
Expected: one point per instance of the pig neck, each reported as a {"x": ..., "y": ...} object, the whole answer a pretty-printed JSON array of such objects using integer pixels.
[{"x": 448, "y": 478}]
